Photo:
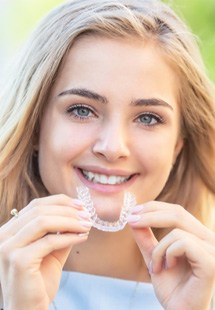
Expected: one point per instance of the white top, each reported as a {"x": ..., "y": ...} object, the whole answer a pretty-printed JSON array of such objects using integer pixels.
[{"x": 80, "y": 291}]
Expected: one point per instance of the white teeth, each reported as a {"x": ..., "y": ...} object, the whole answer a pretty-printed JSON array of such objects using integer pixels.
[
  {"x": 112, "y": 180},
  {"x": 90, "y": 175},
  {"x": 104, "y": 179}
]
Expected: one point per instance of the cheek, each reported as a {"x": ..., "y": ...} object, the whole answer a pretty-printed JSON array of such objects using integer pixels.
[
  {"x": 58, "y": 145},
  {"x": 62, "y": 143},
  {"x": 156, "y": 155},
  {"x": 156, "y": 163}
]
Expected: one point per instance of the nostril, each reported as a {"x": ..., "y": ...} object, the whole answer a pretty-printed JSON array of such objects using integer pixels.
[{"x": 111, "y": 151}]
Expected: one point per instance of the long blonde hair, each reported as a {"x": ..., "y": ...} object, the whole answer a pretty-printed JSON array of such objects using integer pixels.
[{"x": 192, "y": 179}]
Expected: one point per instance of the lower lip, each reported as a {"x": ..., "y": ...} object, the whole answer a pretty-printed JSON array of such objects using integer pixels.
[{"x": 105, "y": 188}]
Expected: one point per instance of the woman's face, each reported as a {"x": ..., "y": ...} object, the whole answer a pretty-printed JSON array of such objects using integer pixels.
[{"x": 112, "y": 122}]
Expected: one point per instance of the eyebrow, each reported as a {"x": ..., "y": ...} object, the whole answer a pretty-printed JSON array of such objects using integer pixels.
[
  {"x": 83, "y": 92},
  {"x": 151, "y": 102}
]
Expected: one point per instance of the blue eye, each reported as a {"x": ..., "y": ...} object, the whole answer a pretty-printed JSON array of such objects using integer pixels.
[
  {"x": 149, "y": 119},
  {"x": 80, "y": 111}
]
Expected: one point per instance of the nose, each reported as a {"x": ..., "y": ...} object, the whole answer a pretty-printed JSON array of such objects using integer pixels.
[{"x": 112, "y": 143}]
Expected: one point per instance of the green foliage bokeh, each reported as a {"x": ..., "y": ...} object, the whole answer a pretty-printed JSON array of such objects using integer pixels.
[{"x": 200, "y": 17}]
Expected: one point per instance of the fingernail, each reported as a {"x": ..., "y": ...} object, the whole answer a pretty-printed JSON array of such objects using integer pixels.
[
  {"x": 78, "y": 202},
  {"x": 137, "y": 208},
  {"x": 83, "y": 214},
  {"x": 86, "y": 223},
  {"x": 133, "y": 218}
]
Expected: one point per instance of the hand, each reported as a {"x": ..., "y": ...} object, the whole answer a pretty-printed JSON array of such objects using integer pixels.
[
  {"x": 182, "y": 264},
  {"x": 32, "y": 253}
]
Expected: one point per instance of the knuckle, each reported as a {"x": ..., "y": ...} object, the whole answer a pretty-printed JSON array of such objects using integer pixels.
[
  {"x": 177, "y": 214},
  {"x": 157, "y": 253},
  {"x": 36, "y": 212},
  {"x": 41, "y": 222},
  {"x": 11, "y": 259},
  {"x": 15, "y": 260},
  {"x": 175, "y": 233}
]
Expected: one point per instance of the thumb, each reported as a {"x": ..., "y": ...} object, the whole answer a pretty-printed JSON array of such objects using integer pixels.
[{"x": 146, "y": 242}]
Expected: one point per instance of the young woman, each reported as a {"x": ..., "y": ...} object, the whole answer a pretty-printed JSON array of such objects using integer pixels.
[{"x": 112, "y": 96}]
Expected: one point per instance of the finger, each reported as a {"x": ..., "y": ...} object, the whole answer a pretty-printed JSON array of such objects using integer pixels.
[
  {"x": 201, "y": 262},
  {"x": 15, "y": 224},
  {"x": 44, "y": 225},
  {"x": 62, "y": 255},
  {"x": 178, "y": 244},
  {"x": 29, "y": 264},
  {"x": 146, "y": 242},
  {"x": 165, "y": 215},
  {"x": 59, "y": 245},
  {"x": 60, "y": 199},
  {"x": 159, "y": 253},
  {"x": 36, "y": 251}
]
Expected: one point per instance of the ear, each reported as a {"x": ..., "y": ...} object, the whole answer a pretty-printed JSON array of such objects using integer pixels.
[{"x": 178, "y": 147}]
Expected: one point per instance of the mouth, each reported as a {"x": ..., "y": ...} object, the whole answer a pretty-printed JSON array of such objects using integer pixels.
[{"x": 104, "y": 179}]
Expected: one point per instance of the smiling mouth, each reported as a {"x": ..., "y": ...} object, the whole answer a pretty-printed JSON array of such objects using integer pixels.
[{"x": 105, "y": 179}]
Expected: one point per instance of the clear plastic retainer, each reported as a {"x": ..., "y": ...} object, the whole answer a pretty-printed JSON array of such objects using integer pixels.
[{"x": 129, "y": 203}]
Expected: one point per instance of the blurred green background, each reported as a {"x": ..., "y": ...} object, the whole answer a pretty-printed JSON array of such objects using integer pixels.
[
  {"x": 200, "y": 17},
  {"x": 18, "y": 17}
]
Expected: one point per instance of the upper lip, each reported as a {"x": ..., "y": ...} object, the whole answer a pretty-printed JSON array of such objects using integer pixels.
[{"x": 105, "y": 171}]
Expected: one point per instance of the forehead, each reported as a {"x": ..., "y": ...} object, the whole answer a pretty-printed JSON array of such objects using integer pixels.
[{"x": 104, "y": 64}]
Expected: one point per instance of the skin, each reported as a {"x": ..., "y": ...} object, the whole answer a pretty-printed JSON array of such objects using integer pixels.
[
  {"x": 126, "y": 141},
  {"x": 117, "y": 137}
]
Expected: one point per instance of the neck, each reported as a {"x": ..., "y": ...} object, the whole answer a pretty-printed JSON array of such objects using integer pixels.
[{"x": 109, "y": 254}]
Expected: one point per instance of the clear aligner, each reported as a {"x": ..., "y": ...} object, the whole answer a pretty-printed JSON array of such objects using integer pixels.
[{"x": 129, "y": 203}]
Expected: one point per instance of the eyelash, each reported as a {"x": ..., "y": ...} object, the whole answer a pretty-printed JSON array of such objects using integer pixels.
[
  {"x": 71, "y": 111},
  {"x": 156, "y": 117}
]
